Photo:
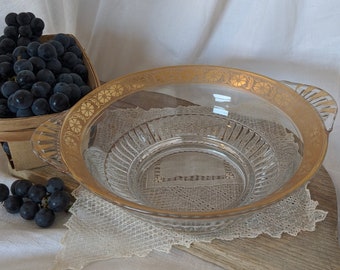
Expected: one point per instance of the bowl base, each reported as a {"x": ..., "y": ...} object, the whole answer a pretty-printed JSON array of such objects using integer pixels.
[{"x": 190, "y": 173}]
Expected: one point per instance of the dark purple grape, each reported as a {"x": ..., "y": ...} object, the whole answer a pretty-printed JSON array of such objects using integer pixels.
[
  {"x": 77, "y": 79},
  {"x": 3, "y": 101},
  {"x": 59, "y": 102},
  {"x": 69, "y": 60},
  {"x": 11, "y": 104},
  {"x": 8, "y": 88},
  {"x": 28, "y": 210},
  {"x": 1, "y": 83},
  {"x": 37, "y": 63},
  {"x": 76, "y": 50},
  {"x": 25, "y": 79},
  {"x": 58, "y": 46},
  {"x": 2, "y": 53},
  {"x": 5, "y": 112},
  {"x": 75, "y": 93},
  {"x": 44, "y": 217},
  {"x": 81, "y": 70},
  {"x": 59, "y": 201},
  {"x": 4, "y": 192},
  {"x": 65, "y": 77},
  {"x": 47, "y": 51},
  {"x": 6, "y": 58},
  {"x": 65, "y": 70},
  {"x": 11, "y": 19},
  {"x": 32, "y": 48},
  {"x": 36, "y": 36},
  {"x": 23, "y": 18},
  {"x": 46, "y": 75},
  {"x": 22, "y": 99},
  {"x": 72, "y": 41},
  {"x": 20, "y": 52},
  {"x": 22, "y": 64},
  {"x": 13, "y": 203},
  {"x": 37, "y": 26},
  {"x": 40, "y": 106},
  {"x": 54, "y": 65},
  {"x": 24, "y": 112},
  {"x": 31, "y": 15},
  {"x": 36, "y": 193},
  {"x": 22, "y": 187},
  {"x": 63, "y": 39},
  {"x": 25, "y": 31},
  {"x": 11, "y": 32},
  {"x": 62, "y": 87},
  {"x": 6, "y": 70},
  {"x": 23, "y": 41},
  {"x": 41, "y": 89},
  {"x": 85, "y": 89},
  {"x": 13, "y": 186},
  {"x": 54, "y": 184},
  {"x": 7, "y": 45}
]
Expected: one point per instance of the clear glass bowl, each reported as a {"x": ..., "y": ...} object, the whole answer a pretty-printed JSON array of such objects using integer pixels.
[{"x": 192, "y": 147}]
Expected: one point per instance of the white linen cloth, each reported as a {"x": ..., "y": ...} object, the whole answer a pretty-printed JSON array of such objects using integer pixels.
[{"x": 295, "y": 40}]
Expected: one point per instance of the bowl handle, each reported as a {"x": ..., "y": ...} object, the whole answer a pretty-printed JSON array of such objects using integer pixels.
[
  {"x": 321, "y": 100},
  {"x": 45, "y": 142}
]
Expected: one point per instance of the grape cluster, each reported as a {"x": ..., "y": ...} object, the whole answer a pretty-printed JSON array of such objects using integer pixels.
[
  {"x": 36, "y": 201},
  {"x": 38, "y": 78}
]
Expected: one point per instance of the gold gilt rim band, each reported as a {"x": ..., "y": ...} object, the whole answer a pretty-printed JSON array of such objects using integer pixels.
[{"x": 304, "y": 116}]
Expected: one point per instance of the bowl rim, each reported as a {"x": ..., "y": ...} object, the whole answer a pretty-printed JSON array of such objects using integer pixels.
[{"x": 74, "y": 130}]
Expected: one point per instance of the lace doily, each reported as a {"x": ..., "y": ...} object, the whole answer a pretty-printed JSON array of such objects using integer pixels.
[{"x": 99, "y": 230}]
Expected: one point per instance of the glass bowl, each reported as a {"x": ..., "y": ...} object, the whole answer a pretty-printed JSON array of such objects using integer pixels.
[{"x": 193, "y": 148}]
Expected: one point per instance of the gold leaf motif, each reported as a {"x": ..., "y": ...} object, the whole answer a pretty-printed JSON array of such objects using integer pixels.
[
  {"x": 238, "y": 80},
  {"x": 136, "y": 85},
  {"x": 75, "y": 125},
  {"x": 104, "y": 96},
  {"x": 94, "y": 101},
  {"x": 187, "y": 76},
  {"x": 214, "y": 75},
  {"x": 138, "y": 80},
  {"x": 69, "y": 141},
  {"x": 263, "y": 88},
  {"x": 116, "y": 90},
  {"x": 281, "y": 99},
  {"x": 87, "y": 109}
]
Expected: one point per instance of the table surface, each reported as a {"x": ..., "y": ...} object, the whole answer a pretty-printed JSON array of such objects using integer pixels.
[{"x": 308, "y": 250}]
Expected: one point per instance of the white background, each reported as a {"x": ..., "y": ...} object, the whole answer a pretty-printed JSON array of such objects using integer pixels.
[{"x": 297, "y": 40}]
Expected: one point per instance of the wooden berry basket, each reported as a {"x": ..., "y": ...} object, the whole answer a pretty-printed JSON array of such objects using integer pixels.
[{"x": 17, "y": 133}]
